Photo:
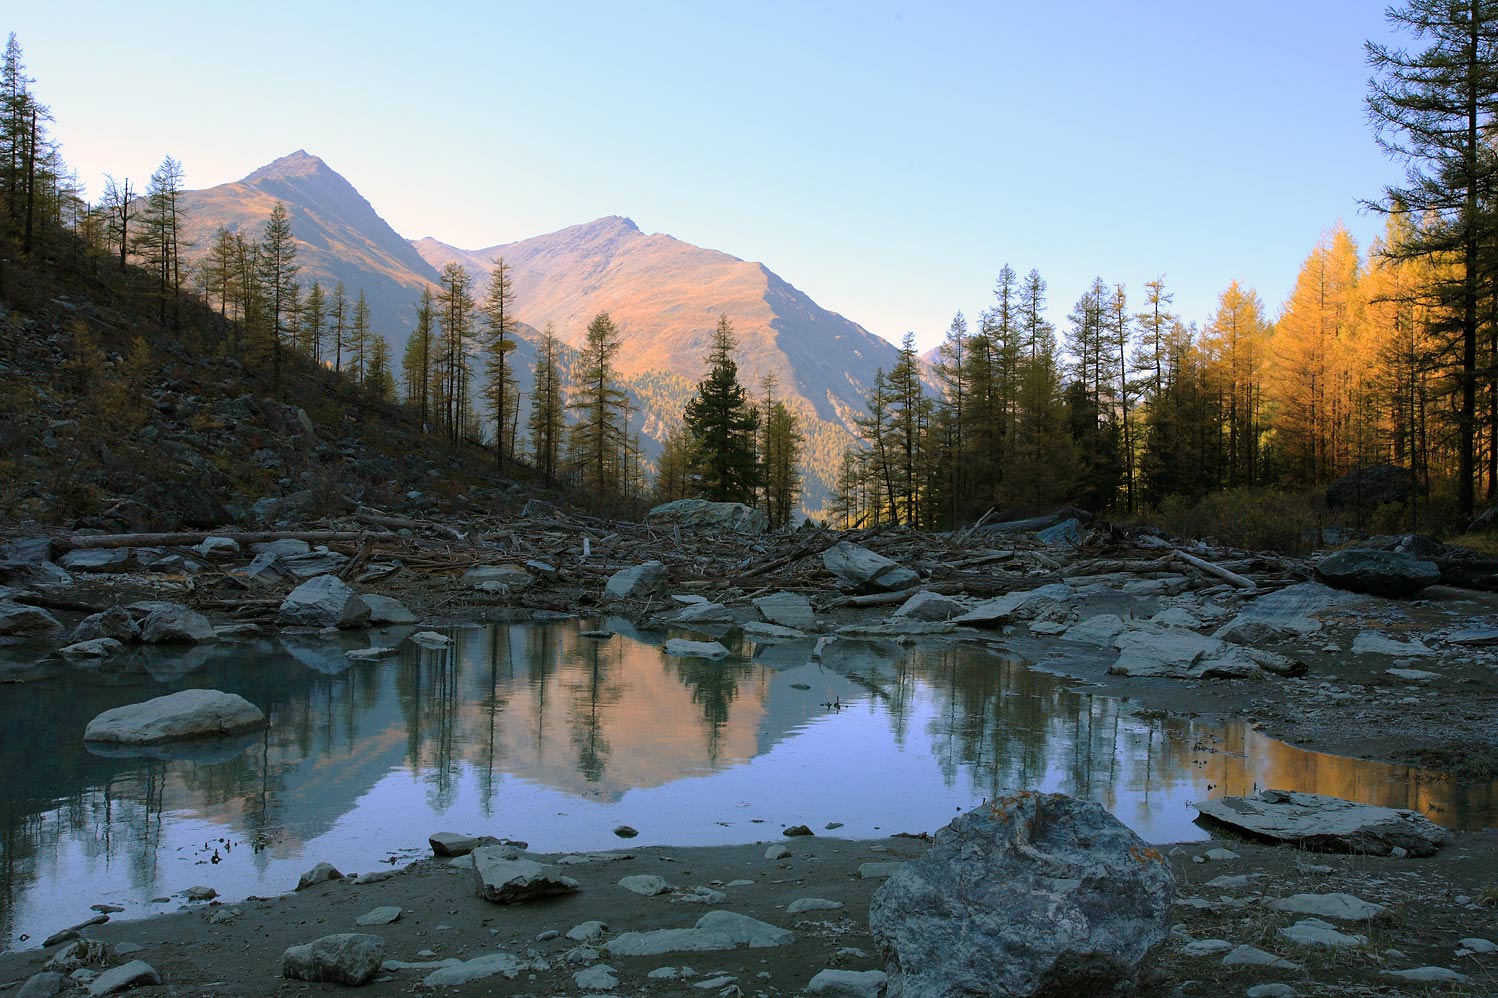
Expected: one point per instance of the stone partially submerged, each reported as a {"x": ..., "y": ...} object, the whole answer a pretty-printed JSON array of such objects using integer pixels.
[
  {"x": 324, "y": 601},
  {"x": 185, "y": 714},
  {"x": 1326, "y": 824},
  {"x": 1031, "y": 894}
]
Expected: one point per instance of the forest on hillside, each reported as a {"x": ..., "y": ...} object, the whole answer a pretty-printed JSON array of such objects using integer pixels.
[{"x": 1383, "y": 357}]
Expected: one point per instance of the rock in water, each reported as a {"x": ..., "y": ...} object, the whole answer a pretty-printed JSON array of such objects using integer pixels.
[
  {"x": 324, "y": 601},
  {"x": 171, "y": 623},
  {"x": 1031, "y": 894},
  {"x": 708, "y": 515},
  {"x": 866, "y": 571},
  {"x": 641, "y": 580},
  {"x": 504, "y": 880},
  {"x": 1382, "y": 573},
  {"x": 115, "y": 623},
  {"x": 454, "y": 844},
  {"x": 1326, "y": 824},
  {"x": 787, "y": 610},
  {"x": 185, "y": 714},
  {"x": 18, "y": 618},
  {"x": 385, "y": 610},
  {"x": 350, "y": 958}
]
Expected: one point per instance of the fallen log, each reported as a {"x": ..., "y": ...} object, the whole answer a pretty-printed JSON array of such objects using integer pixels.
[
  {"x": 1216, "y": 571},
  {"x": 401, "y": 522},
  {"x": 176, "y": 540}
]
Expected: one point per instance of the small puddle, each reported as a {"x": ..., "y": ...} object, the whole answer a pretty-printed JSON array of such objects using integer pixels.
[{"x": 532, "y": 732}]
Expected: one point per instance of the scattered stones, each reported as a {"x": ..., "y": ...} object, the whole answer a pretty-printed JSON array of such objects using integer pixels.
[
  {"x": 379, "y": 916},
  {"x": 319, "y": 874},
  {"x": 1475, "y": 945},
  {"x": 682, "y": 648},
  {"x": 1326, "y": 824},
  {"x": 180, "y": 715},
  {"x": 324, "y": 601},
  {"x": 218, "y": 548},
  {"x": 496, "y": 576},
  {"x": 135, "y": 974},
  {"x": 1412, "y": 675},
  {"x": 863, "y": 570},
  {"x": 717, "y": 930},
  {"x": 643, "y": 580},
  {"x": 1373, "y": 643},
  {"x": 787, "y": 610},
  {"x": 174, "y": 624},
  {"x": 1029, "y": 894},
  {"x": 647, "y": 885},
  {"x": 1381, "y": 573},
  {"x": 505, "y": 880},
  {"x": 848, "y": 983},
  {"x": 349, "y": 958}
]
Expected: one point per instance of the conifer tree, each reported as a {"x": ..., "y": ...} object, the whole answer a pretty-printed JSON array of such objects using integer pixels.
[
  {"x": 499, "y": 343},
  {"x": 416, "y": 364},
  {"x": 723, "y": 424},
  {"x": 381, "y": 380},
  {"x": 455, "y": 314},
  {"x": 598, "y": 439},
  {"x": 338, "y": 324},
  {"x": 314, "y": 323},
  {"x": 277, "y": 278},
  {"x": 548, "y": 406},
  {"x": 360, "y": 336}
]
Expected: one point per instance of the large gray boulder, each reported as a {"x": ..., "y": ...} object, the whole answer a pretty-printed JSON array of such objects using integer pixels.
[
  {"x": 27, "y": 561},
  {"x": 1025, "y": 605},
  {"x": 1031, "y": 894},
  {"x": 1287, "y": 613},
  {"x": 115, "y": 623},
  {"x": 703, "y": 514},
  {"x": 174, "y": 624},
  {"x": 324, "y": 601},
  {"x": 18, "y": 618},
  {"x": 125, "y": 977},
  {"x": 1326, "y": 824},
  {"x": 505, "y": 878},
  {"x": 387, "y": 610},
  {"x": 349, "y": 958},
  {"x": 185, "y": 714},
  {"x": 638, "y": 581},
  {"x": 1382, "y": 573},
  {"x": 863, "y": 570}
]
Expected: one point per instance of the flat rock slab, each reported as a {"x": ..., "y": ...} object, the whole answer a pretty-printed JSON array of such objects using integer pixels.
[
  {"x": 646, "y": 885},
  {"x": 786, "y": 610},
  {"x": 383, "y": 915},
  {"x": 1315, "y": 932},
  {"x": 638, "y": 581},
  {"x": 1025, "y": 605},
  {"x": 863, "y": 570},
  {"x": 184, "y": 714},
  {"x": 135, "y": 974},
  {"x": 1326, "y": 824},
  {"x": 349, "y": 958},
  {"x": 454, "y": 844},
  {"x": 848, "y": 983},
  {"x": 504, "y": 880},
  {"x": 717, "y": 930},
  {"x": 461, "y": 972},
  {"x": 682, "y": 648},
  {"x": 1338, "y": 906}
]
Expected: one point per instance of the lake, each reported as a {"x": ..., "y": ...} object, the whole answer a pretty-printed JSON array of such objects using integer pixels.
[{"x": 532, "y": 732}]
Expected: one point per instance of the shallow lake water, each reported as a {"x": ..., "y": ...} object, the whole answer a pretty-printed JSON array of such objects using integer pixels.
[{"x": 532, "y": 732}]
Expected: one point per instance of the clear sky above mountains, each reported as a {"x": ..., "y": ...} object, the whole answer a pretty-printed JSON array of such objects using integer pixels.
[{"x": 884, "y": 158}]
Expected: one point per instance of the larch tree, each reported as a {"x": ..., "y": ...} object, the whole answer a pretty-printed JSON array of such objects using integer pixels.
[
  {"x": 314, "y": 323},
  {"x": 416, "y": 365},
  {"x": 120, "y": 205},
  {"x": 455, "y": 316},
  {"x": 360, "y": 334},
  {"x": 598, "y": 440},
  {"x": 277, "y": 278},
  {"x": 499, "y": 344},
  {"x": 548, "y": 406}
]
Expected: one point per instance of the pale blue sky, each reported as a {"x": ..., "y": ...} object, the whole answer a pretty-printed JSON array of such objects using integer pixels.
[{"x": 885, "y": 158}]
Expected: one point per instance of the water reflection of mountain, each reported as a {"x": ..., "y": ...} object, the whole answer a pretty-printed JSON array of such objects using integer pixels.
[{"x": 596, "y": 722}]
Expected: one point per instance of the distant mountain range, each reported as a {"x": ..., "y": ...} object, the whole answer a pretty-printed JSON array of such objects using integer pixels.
[{"x": 665, "y": 295}]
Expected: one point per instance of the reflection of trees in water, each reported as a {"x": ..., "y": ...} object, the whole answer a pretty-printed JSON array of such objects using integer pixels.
[
  {"x": 714, "y": 687},
  {"x": 593, "y": 684}
]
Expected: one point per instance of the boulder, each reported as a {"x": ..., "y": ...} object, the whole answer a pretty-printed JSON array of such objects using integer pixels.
[
  {"x": 1100, "y": 630},
  {"x": 1381, "y": 573},
  {"x": 762, "y": 633},
  {"x": 135, "y": 974},
  {"x": 321, "y": 873},
  {"x": 1025, "y": 605},
  {"x": 20, "y": 619},
  {"x": 218, "y": 548},
  {"x": 702, "y": 514},
  {"x": 646, "y": 885},
  {"x": 705, "y": 612},
  {"x": 115, "y": 622},
  {"x": 848, "y": 983},
  {"x": 174, "y": 624},
  {"x": 43, "y": 985},
  {"x": 324, "y": 601},
  {"x": 1370, "y": 487},
  {"x": 787, "y": 610},
  {"x": 1374, "y": 643},
  {"x": 1326, "y": 824},
  {"x": 863, "y": 570},
  {"x": 185, "y": 714},
  {"x": 384, "y": 610},
  {"x": 265, "y": 569},
  {"x": 452, "y": 844},
  {"x": 1030, "y": 894},
  {"x": 1067, "y": 533},
  {"x": 97, "y": 560},
  {"x": 348, "y": 958},
  {"x": 1289, "y": 612},
  {"x": 930, "y": 606},
  {"x": 27, "y": 561},
  {"x": 638, "y": 581},
  {"x": 314, "y": 563},
  {"x": 505, "y": 879},
  {"x": 717, "y": 930},
  {"x": 93, "y": 648}
]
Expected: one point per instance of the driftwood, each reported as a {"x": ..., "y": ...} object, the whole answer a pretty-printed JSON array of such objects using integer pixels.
[
  {"x": 176, "y": 540},
  {"x": 1216, "y": 571},
  {"x": 400, "y": 522}
]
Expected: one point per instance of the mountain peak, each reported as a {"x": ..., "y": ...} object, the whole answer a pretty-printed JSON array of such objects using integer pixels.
[{"x": 297, "y": 164}]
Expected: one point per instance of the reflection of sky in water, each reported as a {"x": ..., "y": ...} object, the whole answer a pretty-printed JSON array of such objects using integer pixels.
[{"x": 536, "y": 734}]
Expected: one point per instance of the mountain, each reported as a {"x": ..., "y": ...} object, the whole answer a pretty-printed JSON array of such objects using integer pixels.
[
  {"x": 339, "y": 235},
  {"x": 665, "y": 295}
]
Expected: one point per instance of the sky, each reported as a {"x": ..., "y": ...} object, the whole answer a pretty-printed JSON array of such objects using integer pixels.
[{"x": 886, "y": 158}]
